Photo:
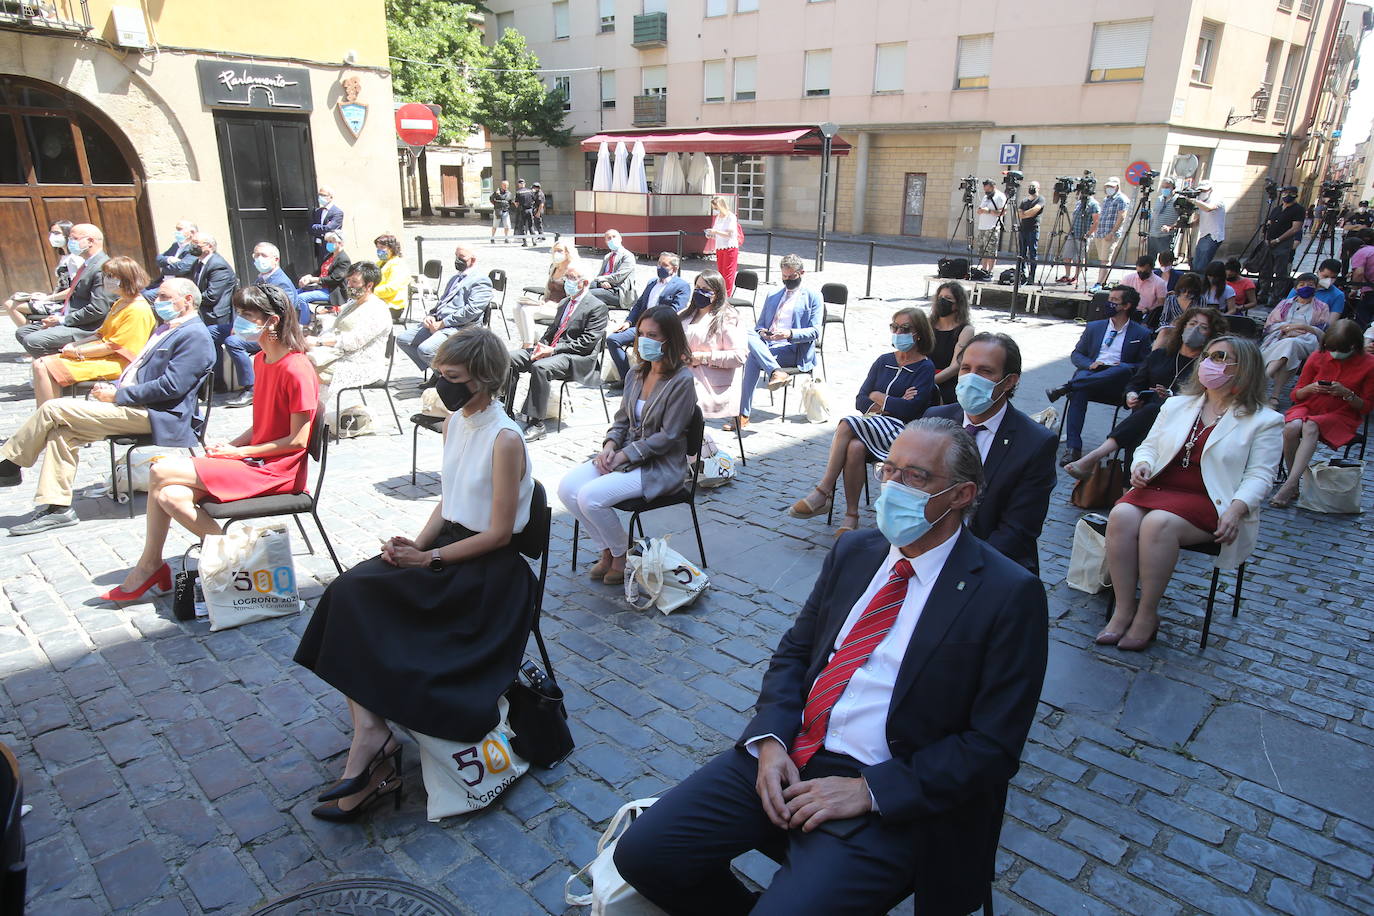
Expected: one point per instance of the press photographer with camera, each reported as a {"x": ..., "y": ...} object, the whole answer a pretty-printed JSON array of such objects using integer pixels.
[
  {"x": 1082, "y": 224},
  {"x": 1282, "y": 233},
  {"x": 1030, "y": 209},
  {"x": 990, "y": 210},
  {"x": 1163, "y": 220},
  {"x": 1211, "y": 226},
  {"x": 1110, "y": 225}
]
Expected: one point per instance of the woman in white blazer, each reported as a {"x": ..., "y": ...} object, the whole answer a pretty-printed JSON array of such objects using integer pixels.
[{"x": 1199, "y": 476}]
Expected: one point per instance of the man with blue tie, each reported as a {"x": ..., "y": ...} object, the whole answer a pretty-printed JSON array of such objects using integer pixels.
[
  {"x": 463, "y": 302},
  {"x": 888, "y": 725},
  {"x": 1107, "y": 355},
  {"x": 785, "y": 336},
  {"x": 667, "y": 289}
]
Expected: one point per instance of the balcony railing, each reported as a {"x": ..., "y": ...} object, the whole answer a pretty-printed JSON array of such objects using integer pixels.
[
  {"x": 71, "y": 17},
  {"x": 651, "y": 30},
  {"x": 651, "y": 110},
  {"x": 1283, "y": 104},
  {"x": 1262, "y": 107}
]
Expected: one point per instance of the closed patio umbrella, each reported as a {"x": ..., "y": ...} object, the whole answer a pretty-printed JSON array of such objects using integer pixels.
[
  {"x": 601, "y": 179},
  {"x": 621, "y": 170},
  {"x": 637, "y": 181}
]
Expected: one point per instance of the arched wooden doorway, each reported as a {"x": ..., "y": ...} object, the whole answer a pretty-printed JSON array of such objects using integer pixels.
[{"x": 60, "y": 158}]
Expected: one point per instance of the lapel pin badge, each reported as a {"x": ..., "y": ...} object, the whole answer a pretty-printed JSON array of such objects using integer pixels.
[{"x": 959, "y": 587}]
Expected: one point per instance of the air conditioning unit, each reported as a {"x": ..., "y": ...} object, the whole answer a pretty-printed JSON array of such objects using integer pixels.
[{"x": 131, "y": 30}]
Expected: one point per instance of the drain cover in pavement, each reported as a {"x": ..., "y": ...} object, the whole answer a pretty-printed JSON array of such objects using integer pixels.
[{"x": 361, "y": 897}]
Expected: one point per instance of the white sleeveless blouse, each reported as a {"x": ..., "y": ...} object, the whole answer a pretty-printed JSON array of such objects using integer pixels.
[{"x": 466, "y": 476}]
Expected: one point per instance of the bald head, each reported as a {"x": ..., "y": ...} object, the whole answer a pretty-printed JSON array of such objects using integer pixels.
[{"x": 88, "y": 239}]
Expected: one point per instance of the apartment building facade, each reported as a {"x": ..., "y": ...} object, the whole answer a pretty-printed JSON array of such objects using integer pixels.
[{"x": 929, "y": 92}]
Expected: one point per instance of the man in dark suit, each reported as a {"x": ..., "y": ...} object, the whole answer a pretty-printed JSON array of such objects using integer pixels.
[
  {"x": 156, "y": 394},
  {"x": 1106, "y": 357},
  {"x": 215, "y": 278},
  {"x": 566, "y": 352},
  {"x": 87, "y": 305},
  {"x": 889, "y": 723},
  {"x": 326, "y": 218},
  {"x": 1017, "y": 452},
  {"x": 667, "y": 289}
]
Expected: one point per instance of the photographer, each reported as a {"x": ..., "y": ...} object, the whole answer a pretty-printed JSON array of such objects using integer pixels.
[
  {"x": 1082, "y": 226},
  {"x": 1211, "y": 226},
  {"x": 1163, "y": 220},
  {"x": 990, "y": 210},
  {"x": 1115, "y": 208},
  {"x": 1031, "y": 208},
  {"x": 1282, "y": 233}
]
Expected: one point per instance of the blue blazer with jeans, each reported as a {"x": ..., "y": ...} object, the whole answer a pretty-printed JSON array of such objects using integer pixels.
[
  {"x": 676, "y": 293},
  {"x": 807, "y": 314},
  {"x": 1133, "y": 351},
  {"x": 167, "y": 380},
  {"x": 1107, "y": 384}
]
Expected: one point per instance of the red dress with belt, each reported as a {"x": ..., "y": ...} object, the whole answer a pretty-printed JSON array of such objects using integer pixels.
[
  {"x": 1336, "y": 420},
  {"x": 1180, "y": 490},
  {"x": 287, "y": 386}
]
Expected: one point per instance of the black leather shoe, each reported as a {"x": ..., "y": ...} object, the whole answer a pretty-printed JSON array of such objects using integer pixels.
[
  {"x": 11, "y": 478},
  {"x": 1070, "y": 455},
  {"x": 243, "y": 399},
  {"x": 1054, "y": 394}
]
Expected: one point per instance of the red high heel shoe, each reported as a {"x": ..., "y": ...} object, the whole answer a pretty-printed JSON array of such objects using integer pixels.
[{"x": 159, "y": 582}]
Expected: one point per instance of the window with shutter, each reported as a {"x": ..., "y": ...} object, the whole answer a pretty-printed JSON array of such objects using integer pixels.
[
  {"x": 713, "y": 81},
  {"x": 746, "y": 69},
  {"x": 974, "y": 62},
  {"x": 889, "y": 67},
  {"x": 655, "y": 6},
  {"x": 606, "y": 11},
  {"x": 716, "y": 7},
  {"x": 746, "y": 6},
  {"x": 817, "y": 73},
  {"x": 654, "y": 80},
  {"x": 560, "y": 19},
  {"x": 1204, "y": 62},
  {"x": 1119, "y": 51},
  {"x": 607, "y": 88},
  {"x": 562, "y": 85}
]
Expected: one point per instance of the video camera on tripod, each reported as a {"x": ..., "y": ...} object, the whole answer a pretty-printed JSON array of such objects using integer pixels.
[
  {"x": 1146, "y": 180},
  {"x": 1333, "y": 192},
  {"x": 1011, "y": 181},
  {"x": 1084, "y": 187},
  {"x": 968, "y": 186},
  {"x": 1185, "y": 205}
]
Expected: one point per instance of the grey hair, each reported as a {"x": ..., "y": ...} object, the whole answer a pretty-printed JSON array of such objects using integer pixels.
[
  {"x": 673, "y": 260},
  {"x": 184, "y": 287},
  {"x": 793, "y": 261},
  {"x": 206, "y": 238},
  {"x": 963, "y": 462},
  {"x": 334, "y": 234},
  {"x": 578, "y": 266},
  {"x": 271, "y": 250}
]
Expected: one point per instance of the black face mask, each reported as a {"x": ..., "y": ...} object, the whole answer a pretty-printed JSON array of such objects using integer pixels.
[
  {"x": 791, "y": 282},
  {"x": 460, "y": 265},
  {"x": 701, "y": 298},
  {"x": 943, "y": 307},
  {"x": 195, "y": 251},
  {"x": 454, "y": 395}
]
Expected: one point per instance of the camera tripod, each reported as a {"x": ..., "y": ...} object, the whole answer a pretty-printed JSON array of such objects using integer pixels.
[
  {"x": 965, "y": 218},
  {"x": 1013, "y": 191},
  {"x": 1140, "y": 214},
  {"x": 1060, "y": 234},
  {"x": 1324, "y": 238}
]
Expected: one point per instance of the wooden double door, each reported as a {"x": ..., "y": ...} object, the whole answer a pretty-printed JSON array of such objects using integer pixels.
[{"x": 61, "y": 159}]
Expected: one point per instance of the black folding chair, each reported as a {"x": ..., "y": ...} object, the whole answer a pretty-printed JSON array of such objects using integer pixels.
[
  {"x": 746, "y": 280},
  {"x": 793, "y": 371},
  {"x": 292, "y": 504},
  {"x": 13, "y": 868},
  {"x": 421, "y": 421},
  {"x": 600, "y": 354},
  {"x": 131, "y": 441},
  {"x": 498, "y": 285},
  {"x": 685, "y": 495},
  {"x": 832, "y": 295},
  {"x": 1213, "y": 549},
  {"x": 384, "y": 385},
  {"x": 1243, "y": 326},
  {"x": 427, "y": 284}
]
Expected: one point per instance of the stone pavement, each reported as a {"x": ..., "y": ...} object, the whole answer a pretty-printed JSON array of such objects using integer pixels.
[{"x": 172, "y": 770}]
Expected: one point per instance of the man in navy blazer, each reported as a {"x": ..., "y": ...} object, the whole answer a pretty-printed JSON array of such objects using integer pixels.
[
  {"x": 783, "y": 337},
  {"x": 1017, "y": 452},
  {"x": 156, "y": 394},
  {"x": 463, "y": 302},
  {"x": 326, "y": 218},
  {"x": 875, "y": 766},
  {"x": 1107, "y": 355},
  {"x": 177, "y": 260},
  {"x": 667, "y": 289}
]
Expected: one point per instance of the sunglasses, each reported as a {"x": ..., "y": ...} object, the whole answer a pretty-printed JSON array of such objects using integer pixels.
[
  {"x": 1220, "y": 356},
  {"x": 901, "y": 328}
]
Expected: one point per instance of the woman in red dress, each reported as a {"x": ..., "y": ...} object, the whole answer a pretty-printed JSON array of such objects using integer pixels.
[
  {"x": 1330, "y": 401},
  {"x": 1199, "y": 477},
  {"x": 268, "y": 459}
]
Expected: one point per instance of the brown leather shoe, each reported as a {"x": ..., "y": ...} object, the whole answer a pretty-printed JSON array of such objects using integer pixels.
[
  {"x": 778, "y": 379},
  {"x": 740, "y": 421}
]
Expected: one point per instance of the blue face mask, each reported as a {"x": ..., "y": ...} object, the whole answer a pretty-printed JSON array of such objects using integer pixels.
[
  {"x": 165, "y": 310},
  {"x": 975, "y": 393},
  {"x": 73, "y": 246},
  {"x": 903, "y": 342},
  {"x": 571, "y": 287},
  {"x": 664, "y": 272},
  {"x": 902, "y": 512},
  {"x": 382, "y": 254},
  {"x": 650, "y": 350},
  {"x": 324, "y": 201},
  {"x": 262, "y": 264},
  {"x": 1305, "y": 292},
  {"x": 613, "y": 244},
  {"x": 246, "y": 330},
  {"x": 1165, "y": 192},
  {"x": 179, "y": 236},
  {"x": 330, "y": 247}
]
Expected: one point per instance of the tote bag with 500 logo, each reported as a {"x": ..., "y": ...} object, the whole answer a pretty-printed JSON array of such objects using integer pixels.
[{"x": 247, "y": 575}]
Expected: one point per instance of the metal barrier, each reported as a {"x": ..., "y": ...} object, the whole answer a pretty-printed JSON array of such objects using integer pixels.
[{"x": 420, "y": 240}]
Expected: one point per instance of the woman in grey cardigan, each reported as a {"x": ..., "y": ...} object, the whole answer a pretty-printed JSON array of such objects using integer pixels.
[{"x": 644, "y": 453}]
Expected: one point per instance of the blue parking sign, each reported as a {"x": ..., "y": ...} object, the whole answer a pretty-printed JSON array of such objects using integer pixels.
[{"x": 1010, "y": 154}]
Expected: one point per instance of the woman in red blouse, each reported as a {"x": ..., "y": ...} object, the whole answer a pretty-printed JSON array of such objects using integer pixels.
[
  {"x": 1330, "y": 400},
  {"x": 269, "y": 458}
]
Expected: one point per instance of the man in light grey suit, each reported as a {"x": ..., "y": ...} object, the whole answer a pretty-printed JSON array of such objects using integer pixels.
[{"x": 463, "y": 302}]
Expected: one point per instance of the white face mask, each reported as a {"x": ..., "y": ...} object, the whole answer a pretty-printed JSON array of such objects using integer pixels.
[{"x": 1325, "y": 282}]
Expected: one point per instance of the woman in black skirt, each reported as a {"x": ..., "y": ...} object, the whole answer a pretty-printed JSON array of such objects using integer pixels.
[
  {"x": 1160, "y": 376},
  {"x": 898, "y": 390},
  {"x": 430, "y": 633}
]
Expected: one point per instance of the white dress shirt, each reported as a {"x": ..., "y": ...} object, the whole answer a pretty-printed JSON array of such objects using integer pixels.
[
  {"x": 984, "y": 437},
  {"x": 1110, "y": 353},
  {"x": 782, "y": 318}
]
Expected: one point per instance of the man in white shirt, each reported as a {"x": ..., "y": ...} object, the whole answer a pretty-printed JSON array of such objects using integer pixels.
[
  {"x": 888, "y": 725},
  {"x": 1211, "y": 226},
  {"x": 990, "y": 210}
]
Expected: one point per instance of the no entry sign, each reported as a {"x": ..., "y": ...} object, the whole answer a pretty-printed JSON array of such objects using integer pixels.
[{"x": 416, "y": 125}]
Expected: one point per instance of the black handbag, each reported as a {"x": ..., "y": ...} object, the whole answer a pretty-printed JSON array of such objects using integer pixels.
[
  {"x": 537, "y": 714},
  {"x": 186, "y": 588}
]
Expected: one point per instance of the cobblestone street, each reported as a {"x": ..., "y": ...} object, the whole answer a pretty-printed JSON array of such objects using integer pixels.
[{"x": 172, "y": 770}]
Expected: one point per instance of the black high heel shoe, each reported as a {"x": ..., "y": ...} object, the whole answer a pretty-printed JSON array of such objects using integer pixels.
[
  {"x": 355, "y": 784},
  {"x": 392, "y": 785}
]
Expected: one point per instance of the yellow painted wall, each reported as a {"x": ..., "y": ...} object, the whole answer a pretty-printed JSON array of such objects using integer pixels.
[{"x": 307, "y": 29}]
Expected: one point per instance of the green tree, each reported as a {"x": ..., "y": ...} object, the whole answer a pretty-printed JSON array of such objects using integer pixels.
[
  {"x": 435, "y": 40},
  {"x": 512, "y": 100}
]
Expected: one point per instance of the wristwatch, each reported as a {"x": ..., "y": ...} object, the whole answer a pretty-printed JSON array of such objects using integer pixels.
[{"x": 436, "y": 562}]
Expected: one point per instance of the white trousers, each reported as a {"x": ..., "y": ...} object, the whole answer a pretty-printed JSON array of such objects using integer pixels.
[
  {"x": 591, "y": 497},
  {"x": 524, "y": 318}
]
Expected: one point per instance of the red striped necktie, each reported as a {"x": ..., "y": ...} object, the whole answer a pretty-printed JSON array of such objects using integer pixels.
[{"x": 866, "y": 635}]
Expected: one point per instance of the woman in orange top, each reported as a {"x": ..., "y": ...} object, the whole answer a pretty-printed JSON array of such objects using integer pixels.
[{"x": 121, "y": 336}]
